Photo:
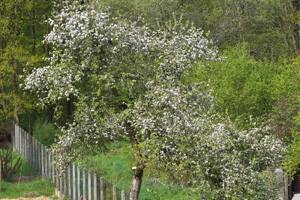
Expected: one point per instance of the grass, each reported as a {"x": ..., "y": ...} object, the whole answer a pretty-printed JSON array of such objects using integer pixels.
[
  {"x": 37, "y": 187},
  {"x": 115, "y": 167}
]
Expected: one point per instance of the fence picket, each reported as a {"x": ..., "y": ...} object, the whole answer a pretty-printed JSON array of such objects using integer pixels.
[
  {"x": 95, "y": 187},
  {"x": 49, "y": 164},
  {"x": 39, "y": 157},
  {"x": 36, "y": 155},
  {"x": 33, "y": 152},
  {"x": 46, "y": 159},
  {"x": 78, "y": 182},
  {"x": 69, "y": 181},
  {"x": 42, "y": 160},
  {"x": 101, "y": 189},
  {"x": 57, "y": 179},
  {"x": 89, "y": 185},
  {"x": 114, "y": 193},
  {"x": 83, "y": 185},
  {"x": 123, "y": 195},
  {"x": 53, "y": 172},
  {"x": 107, "y": 191},
  {"x": 65, "y": 184},
  {"x": 60, "y": 181},
  {"x": 74, "y": 183}
]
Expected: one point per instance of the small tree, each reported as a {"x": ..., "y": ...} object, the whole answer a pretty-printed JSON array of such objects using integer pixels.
[{"x": 11, "y": 162}]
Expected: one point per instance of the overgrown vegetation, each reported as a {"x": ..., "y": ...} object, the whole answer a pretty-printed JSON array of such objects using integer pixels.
[
  {"x": 11, "y": 162},
  {"x": 45, "y": 133},
  {"x": 194, "y": 86},
  {"x": 36, "y": 188},
  {"x": 23, "y": 181}
]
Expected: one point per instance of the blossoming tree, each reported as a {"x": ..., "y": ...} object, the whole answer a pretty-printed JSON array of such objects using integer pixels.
[{"x": 127, "y": 83}]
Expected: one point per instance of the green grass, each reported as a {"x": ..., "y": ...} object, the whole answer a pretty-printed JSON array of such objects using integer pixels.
[
  {"x": 115, "y": 167},
  {"x": 35, "y": 188},
  {"x": 38, "y": 187}
]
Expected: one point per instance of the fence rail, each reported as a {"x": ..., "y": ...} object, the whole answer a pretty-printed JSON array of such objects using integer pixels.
[{"x": 75, "y": 183}]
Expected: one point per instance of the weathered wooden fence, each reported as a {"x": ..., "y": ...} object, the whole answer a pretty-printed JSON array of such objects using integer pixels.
[{"x": 75, "y": 183}]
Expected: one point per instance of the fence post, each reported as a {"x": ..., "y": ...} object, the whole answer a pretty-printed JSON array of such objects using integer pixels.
[
  {"x": 25, "y": 145},
  {"x": 123, "y": 195},
  {"x": 95, "y": 187},
  {"x": 49, "y": 164},
  {"x": 33, "y": 151},
  {"x": 89, "y": 185},
  {"x": 107, "y": 191},
  {"x": 36, "y": 155},
  {"x": 69, "y": 181},
  {"x": 53, "y": 172},
  {"x": 21, "y": 144},
  {"x": 57, "y": 179},
  {"x": 61, "y": 182},
  {"x": 83, "y": 185},
  {"x": 21, "y": 140},
  {"x": 45, "y": 160},
  {"x": 39, "y": 158},
  {"x": 74, "y": 182},
  {"x": 17, "y": 134},
  {"x": 12, "y": 133},
  {"x": 42, "y": 159},
  {"x": 101, "y": 189},
  {"x": 28, "y": 147},
  {"x": 78, "y": 181},
  {"x": 114, "y": 193},
  {"x": 65, "y": 184}
]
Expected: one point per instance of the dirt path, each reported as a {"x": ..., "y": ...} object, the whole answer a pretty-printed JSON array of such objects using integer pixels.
[{"x": 31, "y": 198}]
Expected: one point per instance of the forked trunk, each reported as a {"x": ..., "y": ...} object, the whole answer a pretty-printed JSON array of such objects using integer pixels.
[{"x": 136, "y": 183}]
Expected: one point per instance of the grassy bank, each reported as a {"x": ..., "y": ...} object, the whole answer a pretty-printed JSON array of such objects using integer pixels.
[
  {"x": 37, "y": 187},
  {"x": 21, "y": 188},
  {"x": 115, "y": 167}
]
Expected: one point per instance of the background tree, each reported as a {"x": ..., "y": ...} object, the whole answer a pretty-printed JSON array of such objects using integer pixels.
[
  {"x": 258, "y": 23},
  {"x": 13, "y": 58},
  {"x": 242, "y": 86}
]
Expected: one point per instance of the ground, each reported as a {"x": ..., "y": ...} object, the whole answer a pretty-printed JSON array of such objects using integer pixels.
[{"x": 36, "y": 198}]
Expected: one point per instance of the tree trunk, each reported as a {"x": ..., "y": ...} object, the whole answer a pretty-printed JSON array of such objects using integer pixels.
[
  {"x": 33, "y": 30},
  {"x": 291, "y": 26},
  {"x": 138, "y": 170},
  {"x": 136, "y": 183}
]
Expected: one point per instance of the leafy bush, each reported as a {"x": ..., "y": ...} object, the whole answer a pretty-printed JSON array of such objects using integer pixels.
[
  {"x": 242, "y": 86},
  {"x": 45, "y": 133}
]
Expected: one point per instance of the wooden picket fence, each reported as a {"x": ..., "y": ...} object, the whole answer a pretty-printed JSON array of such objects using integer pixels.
[{"x": 75, "y": 183}]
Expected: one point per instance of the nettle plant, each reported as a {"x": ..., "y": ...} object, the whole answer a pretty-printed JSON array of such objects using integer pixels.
[{"x": 126, "y": 80}]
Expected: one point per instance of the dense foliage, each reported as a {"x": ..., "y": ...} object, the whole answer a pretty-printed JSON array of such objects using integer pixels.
[
  {"x": 135, "y": 90},
  {"x": 205, "y": 91}
]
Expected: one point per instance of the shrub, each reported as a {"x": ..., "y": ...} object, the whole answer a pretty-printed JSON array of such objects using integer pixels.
[
  {"x": 45, "y": 133},
  {"x": 11, "y": 162}
]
